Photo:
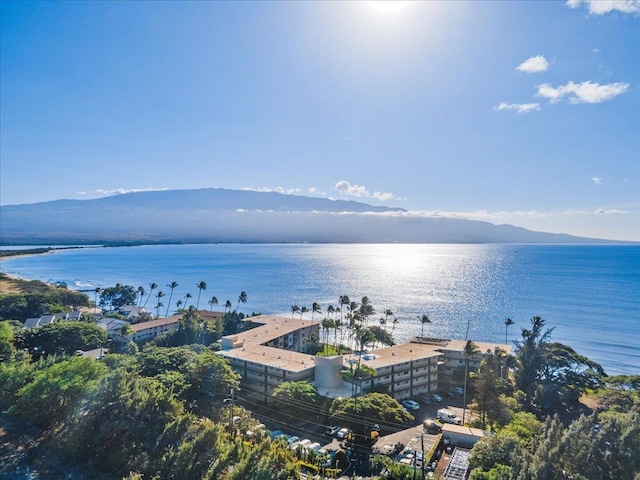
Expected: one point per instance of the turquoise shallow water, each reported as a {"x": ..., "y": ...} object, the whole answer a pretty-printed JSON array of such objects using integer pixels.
[{"x": 589, "y": 294}]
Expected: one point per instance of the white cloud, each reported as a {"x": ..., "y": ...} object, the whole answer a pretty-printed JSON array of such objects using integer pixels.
[
  {"x": 603, "y": 211},
  {"x": 534, "y": 65},
  {"x": 120, "y": 191},
  {"x": 585, "y": 92},
  {"x": 600, "y": 7},
  {"x": 518, "y": 107},
  {"x": 359, "y": 191},
  {"x": 597, "y": 180},
  {"x": 285, "y": 191},
  {"x": 345, "y": 188}
]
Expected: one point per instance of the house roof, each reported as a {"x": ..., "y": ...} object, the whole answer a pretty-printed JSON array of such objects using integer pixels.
[
  {"x": 173, "y": 319},
  {"x": 31, "y": 322}
]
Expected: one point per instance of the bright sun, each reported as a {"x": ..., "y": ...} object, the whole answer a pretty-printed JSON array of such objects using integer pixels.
[{"x": 387, "y": 6}]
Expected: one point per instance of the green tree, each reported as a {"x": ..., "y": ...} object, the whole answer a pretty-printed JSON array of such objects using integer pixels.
[
  {"x": 296, "y": 395},
  {"x": 7, "y": 337},
  {"x": 118, "y": 296},
  {"x": 129, "y": 424},
  {"x": 63, "y": 338},
  {"x": 56, "y": 392},
  {"x": 489, "y": 385},
  {"x": 602, "y": 446},
  {"x": 369, "y": 409}
]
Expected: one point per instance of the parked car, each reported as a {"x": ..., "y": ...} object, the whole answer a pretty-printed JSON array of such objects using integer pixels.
[
  {"x": 293, "y": 439},
  {"x": 314, "y": 446},
  {"x": 343, "y": 432},
  {"x": 410, "y": 404},
  {"x": 426, "y": 399},
  {"x": 430, "y": 426},
  {"x": 457, "y": 390},
  {"x": 447, "y": 416},
  {"x": 436, "y": 397},
  {"x": 303, "y": 444},
  {"x": 331, "y": 430}
]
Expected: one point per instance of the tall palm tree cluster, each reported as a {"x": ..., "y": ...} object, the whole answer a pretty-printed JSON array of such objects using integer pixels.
[
  {"x": 182, "y": 304},
  {"x": 350, "y": 323}
]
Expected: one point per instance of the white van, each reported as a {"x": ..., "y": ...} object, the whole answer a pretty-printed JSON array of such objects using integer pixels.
[{"x": 447, "y": 416}]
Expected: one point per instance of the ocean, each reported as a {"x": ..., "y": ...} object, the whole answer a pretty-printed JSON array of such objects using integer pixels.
[{"x": 589, "y": 295}]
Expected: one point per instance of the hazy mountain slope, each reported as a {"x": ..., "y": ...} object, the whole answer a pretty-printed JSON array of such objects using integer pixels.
[{"x": 219, "y": 215}]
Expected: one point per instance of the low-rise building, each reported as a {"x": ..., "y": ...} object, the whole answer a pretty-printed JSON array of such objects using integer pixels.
[
  {"x": 273, "y": 351},
  {"x": 148, "y": 330}
]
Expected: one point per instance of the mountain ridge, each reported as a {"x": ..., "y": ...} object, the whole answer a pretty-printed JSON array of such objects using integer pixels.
[{"x": 217, "y": 215}]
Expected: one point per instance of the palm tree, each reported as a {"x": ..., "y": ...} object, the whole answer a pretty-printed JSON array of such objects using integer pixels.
[
  {"x": 212, "y": 302},
  {"x": 294, "y": 309},
  {"x": 303, "y": 310},
  {"x": 327, "y": 324},
  {"x": 171, "y": 285},
  {"x": 394, "y": 324},
  {"x": 159, "y": 295},
  {"x": 242, "y": 299},
  {"x": 141, "y": 292},
  {"x": 95, "y": 301},
  {"x": 330, "y": 310},
  {"x": 179, "y": 305},
  {"x": 152, "y": 287},
  {"x": 201, "y": 286},
  {"x": 337, "y": 326},
  {"x": 383, "y": 323},
  {"x": 315, "y": 308},
  {"x": 227, "y": 306},
  {"x": 424, "y": 319},
  {"x": 186, "y": 299},
  {"x": 387, "y": 313},
  {"x": 470, "y": 349},
  {"x": 507, "y": 323},
  {"x": 344, "y": 300},
  {"x": 366, "y": 309}
]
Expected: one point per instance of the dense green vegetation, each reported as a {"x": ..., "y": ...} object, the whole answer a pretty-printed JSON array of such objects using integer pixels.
[{"x": 161, "y": 410}]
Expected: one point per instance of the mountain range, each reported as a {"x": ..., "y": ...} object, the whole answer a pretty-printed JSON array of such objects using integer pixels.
[{"x": 216, "y": 215}]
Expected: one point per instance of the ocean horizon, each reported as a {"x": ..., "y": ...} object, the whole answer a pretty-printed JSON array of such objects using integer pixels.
[{"x": 588, "y": 294}]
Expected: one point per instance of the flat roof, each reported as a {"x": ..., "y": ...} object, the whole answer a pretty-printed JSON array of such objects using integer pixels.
[
  {"x": 405, "y": 352},
  {"x": 458, "y": 346},
  {"x": 272, "y": 357},
  {"x": 464, "y": 430},
  {"x": 271, "y": 327}
]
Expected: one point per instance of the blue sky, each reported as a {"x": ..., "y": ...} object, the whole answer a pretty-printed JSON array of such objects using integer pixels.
[{"x": 525, "y": 113}]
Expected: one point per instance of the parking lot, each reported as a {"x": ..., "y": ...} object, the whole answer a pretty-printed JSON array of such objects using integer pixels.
[{"x": 411, "y": 438}]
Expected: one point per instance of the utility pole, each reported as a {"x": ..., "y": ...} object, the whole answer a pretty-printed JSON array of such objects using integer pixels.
[
  {"x": 423, "y": 457},
  {"x": 229, "y": 403}
]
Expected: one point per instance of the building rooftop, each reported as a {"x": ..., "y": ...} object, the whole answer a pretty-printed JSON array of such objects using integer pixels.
[
  {"x": 458, "y": 346},
  {"x": 406, "y": 352},
  {"x": 271, "y": 327},
  {"x": 272, "y": 357},
  {"x": 136, "y": 327}
]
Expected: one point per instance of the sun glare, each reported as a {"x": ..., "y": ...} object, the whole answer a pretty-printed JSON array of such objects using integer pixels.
[{"x": 385, "y": 6}]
